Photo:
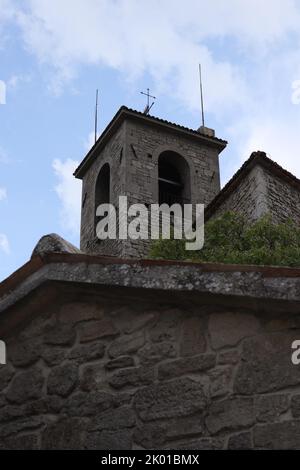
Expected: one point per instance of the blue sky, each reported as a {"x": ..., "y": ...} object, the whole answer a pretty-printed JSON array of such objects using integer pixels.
[{"x": 55, "y": 53}]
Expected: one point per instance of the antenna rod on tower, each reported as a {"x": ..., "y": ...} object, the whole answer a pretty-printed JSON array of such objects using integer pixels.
[
  {"x": 201, "y": 94},
  {"x": 96, "y": 116}
]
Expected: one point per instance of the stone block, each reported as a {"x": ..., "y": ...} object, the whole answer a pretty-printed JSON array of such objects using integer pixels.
[
  {"x": 132, "y": 377},
  {"x": 278, "y": 436},
  {"x": 228, "y": 329},
  {"x": 270, "y": 407},
  {"x": 230, "y": 414},
  {"x": 192, "y": 340},
  {"x": 184, "y": 366},
  {"x": 266, "y": 364},
  {"x": 120, "y": 363},
  {"x": 127, "y": 344},
  {"x": 241, "y": 441},
  {"x": 177, "y": 398},
  {"x": 62, "y": 380},
  {"x": 97, "y": 330},
  {"x": 26, "y": 386}
]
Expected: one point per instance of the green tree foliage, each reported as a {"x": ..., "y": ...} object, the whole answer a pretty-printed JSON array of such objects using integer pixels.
[{"x": 229, "y": 239}]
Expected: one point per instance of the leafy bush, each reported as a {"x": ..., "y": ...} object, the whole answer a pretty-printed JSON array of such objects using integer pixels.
[{"x": 229, "y": 239}]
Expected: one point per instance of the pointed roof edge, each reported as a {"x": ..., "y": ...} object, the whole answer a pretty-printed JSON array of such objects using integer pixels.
[
  {"x": 256, "y": 158},
  {"x": 124, "y": 113}
]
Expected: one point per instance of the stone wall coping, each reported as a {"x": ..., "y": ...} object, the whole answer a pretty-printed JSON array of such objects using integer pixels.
[
  {"x": 250, "y": 282},
  {"x": 256, "y": 159}
]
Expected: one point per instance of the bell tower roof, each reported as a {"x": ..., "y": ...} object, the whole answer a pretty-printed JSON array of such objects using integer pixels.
[{"x": 126, "y": 113}]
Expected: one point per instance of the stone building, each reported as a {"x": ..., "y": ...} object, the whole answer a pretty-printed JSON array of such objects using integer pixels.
[
  {"x": 105, "y": 352},
  {"x": 150, "y": 160},
  {"x": 116, "y": 354}
]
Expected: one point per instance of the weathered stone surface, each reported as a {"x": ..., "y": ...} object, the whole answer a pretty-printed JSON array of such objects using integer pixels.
[
  {"x": 113, "y": 420},
  {"x": 295, "y": 406},
  {"x": 119, "y": 363},
  {"x": 220, "y": 381},
  {"x": 46, "y": 405},
  {"x": 92, "y": 377},
  {"x": 278, "y": 436},
  {"x": 177, "y": 398},
  {"x": 82, "y": 404},
  {"x": 200, "y": 444},
  {"x": 60, "y": 336},
  {"x": 132, "y": 377},
  {"x": 230, "y": 414},
  {"x": 167, "y": 326},
  {"x": 23, "y": 353},
  {"x": 270, "y": 407},
  {"x": 150, "y": 436},
  {"x": 129, "y": 321},
  {"x": 228, "y": 357},
  {"x": 23, "y": 442},
  {"x": 109, "y": 440},
  {"x": 264, "y": 358},
  {"x": 87, "y": 352},
  {"x": 53, "y": 355},
  {"x": 193, "y": 337},
  {"x": 185, "y": 366},
  {"x": 53, "y": 243},
  {"x": 66, "y": 434},
  {"x": 152, "y": 353},
  {"x": 62, "y": 380},
  {"x": 156, "y": 434},
  {"x": 22, "y": 425},
  {"x": 6, "y": 374},
  {"x": 228, "y": 329},
  {"x": 76, "y": 312},
  {"x": 26, "y": 386},
  {"x": 96, "y": 330},
  {"x": 126, "y": 344},
  {"x": 241, "y": 441}
]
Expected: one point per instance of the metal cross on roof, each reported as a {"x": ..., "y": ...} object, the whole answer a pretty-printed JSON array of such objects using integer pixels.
[{"x": 148, "y": 107}]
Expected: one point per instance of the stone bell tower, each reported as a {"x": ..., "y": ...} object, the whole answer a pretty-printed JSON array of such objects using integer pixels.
[{"x": 149, "y": 160}]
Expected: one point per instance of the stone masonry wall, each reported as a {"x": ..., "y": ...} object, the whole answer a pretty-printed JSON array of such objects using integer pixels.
[
  {"x": 261, "y": 192},
  {"x": 283, "y": 199},
  {"x": 133, "y": 154},
  {"x": 113, "y": 154},
  {"x": 250, "y": 198},
  {"x": 140, "y": 376}
]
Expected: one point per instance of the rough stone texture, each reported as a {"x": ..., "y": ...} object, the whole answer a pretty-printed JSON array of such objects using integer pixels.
[
  {"x": 26, "y": 386},
  {"x": 53, "y": 243},
  {"x": 132, "y": 152},
  {"x": 227, "y": 329},
  {"x": 185, "y": 366},
  {"x": 62, "y": 380},
  {"x": 230, "y": 414},
  {"x": 279, "y": 436},
  {"x": 263, "y": 192},
  {"x": 176, "y": 398},
  {"x": 266, "y": 364},
  {"x": 269, "y": 408},
  {"x": 129, "y": 370},
  {"x": 241, "y": 441}
]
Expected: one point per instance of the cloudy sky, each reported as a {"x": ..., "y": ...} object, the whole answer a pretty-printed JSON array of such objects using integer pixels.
[{"x": 55, "y": 53}]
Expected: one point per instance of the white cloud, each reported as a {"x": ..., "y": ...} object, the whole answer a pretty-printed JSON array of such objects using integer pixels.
[
  {"x": 68, "y": 190},
  {"x": 4, "y": 244},
  {"x": 278, "y": 139},
  {"x": 15, "y": 80},
  {"x": 3, "y": 194},
  {"x": 249, "y": 50},
  {"x": 167, "y": 39}
]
